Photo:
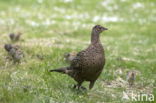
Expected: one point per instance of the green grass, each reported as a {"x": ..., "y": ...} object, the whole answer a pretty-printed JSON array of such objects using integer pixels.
[{"x": 51, "y": 28}]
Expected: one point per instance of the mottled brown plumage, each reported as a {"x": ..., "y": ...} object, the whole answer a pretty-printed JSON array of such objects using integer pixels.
[
  {"x": 15, "y": 37},
  {"x": 70, "y": 56},
  {"x": 131, "y": 75},
  {"x": 14, "y": 51},
  {"x": 89, "y": 63}
]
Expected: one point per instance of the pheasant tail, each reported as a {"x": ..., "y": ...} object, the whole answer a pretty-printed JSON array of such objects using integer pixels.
[{"x": 64, "y": 70}]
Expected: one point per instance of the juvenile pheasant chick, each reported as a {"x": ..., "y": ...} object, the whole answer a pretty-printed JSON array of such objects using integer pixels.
[
  {"x": 15, "y": 37},
  {"x": 15, "y": 52},
  {"x": 70, "y": 56},
  {"x": 131, "y": 78}
]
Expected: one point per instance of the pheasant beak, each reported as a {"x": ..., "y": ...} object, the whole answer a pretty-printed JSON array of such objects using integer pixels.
[{"x": 103, "y": 28}]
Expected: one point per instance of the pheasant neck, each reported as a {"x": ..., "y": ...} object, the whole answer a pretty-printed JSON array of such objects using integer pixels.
[{"x": 95, "y": 37}]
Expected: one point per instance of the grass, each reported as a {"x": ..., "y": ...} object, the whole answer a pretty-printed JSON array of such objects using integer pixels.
[{"x": 51, "y": 28}]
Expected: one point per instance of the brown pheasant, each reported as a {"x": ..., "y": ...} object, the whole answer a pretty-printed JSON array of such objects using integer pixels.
[{"x": 89, "y": 63}]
